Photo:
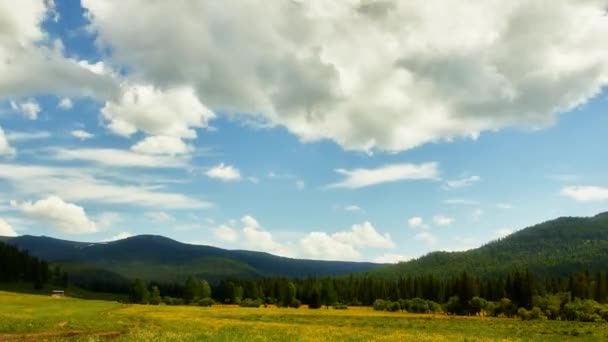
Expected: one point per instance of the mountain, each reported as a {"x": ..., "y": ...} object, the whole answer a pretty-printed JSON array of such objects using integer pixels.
[
  {"x": 157, "y": 258},
  {"x": 554, "y": 248}
]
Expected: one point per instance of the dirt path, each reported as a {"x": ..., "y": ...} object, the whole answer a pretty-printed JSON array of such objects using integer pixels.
[{"x": 58, "y": 334}]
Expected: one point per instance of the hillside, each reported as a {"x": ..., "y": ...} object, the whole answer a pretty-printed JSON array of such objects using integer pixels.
[
  {"x": 554, "y": 248},
  {"x": 162, "y": 259}
]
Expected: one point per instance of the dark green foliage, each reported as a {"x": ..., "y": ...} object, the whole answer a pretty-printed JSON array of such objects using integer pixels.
[
  {"x": 155, "y": 296},
  {"x": 20, "y": 266},
  {"x": 139, "y": 293},
  {"x": 206, "y": 301},
  {"x": 251, "y": 303},
  {"x": 554, "y": 249},
  {"x": 339, "y": 306}
]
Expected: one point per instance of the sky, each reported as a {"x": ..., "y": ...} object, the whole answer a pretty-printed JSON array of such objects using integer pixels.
[{"x": 352, "y": 130}]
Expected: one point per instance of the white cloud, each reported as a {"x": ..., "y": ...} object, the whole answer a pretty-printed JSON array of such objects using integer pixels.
[
  {"x": 425, "y": 237},
  {"x": 416, "y": 222},
  {"x": 116, "y": 157},
  {"x": 460, "y": 201},
  {"x": 171, "y": 112},
  {"x": 81, "y": 134},
  {"x": 428, "y": 72},
  {"x": 67, "y": 217},
  {"x": 78, "y": 184},
  {"x": 224, "y": 173},
  {"x": 5, "y": 147},
  {"x": 320, "y": 245},
  {"x": 388, "y": 258},
  {"x": 159, "y": 216},
  {"x": 586, "y": 193},
  {"x": 35, "y": 64},
  {"x": 121, "y": 236},
  {"x": 255, "y": 237},
  {"x": 463, "y": 182},
  {"x": 359, "y": 178},
  {"x": 504, "y": 232},
  {"x": 504, "y": 206},
  {"x": 160, "y": 144},
  {"x": 226, "y": 233},
  {"x": 353, "y": 208},
  {"x": 442, "y": 220},
  {"x": 6, "y": 229},
  {"x": 25, "y": 136},
  {"x": 29, "y": 108},
  {"x": 65, "y": 103},
  {"x": 364, "y": 235}
]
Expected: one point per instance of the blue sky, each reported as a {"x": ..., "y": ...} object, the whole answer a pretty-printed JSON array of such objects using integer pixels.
[{"x": 300, "y": 144}]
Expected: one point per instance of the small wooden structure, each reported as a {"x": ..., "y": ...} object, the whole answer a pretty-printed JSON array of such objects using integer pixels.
[{"x": 58, "y": 293}]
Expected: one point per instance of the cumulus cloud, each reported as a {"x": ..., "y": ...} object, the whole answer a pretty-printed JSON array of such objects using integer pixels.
[
  {"x": 225, "y": 233},
  {"x": 463, "y": 182},
  {"x": 108, "y": 219},
  {"x": 416, "y": 222},
  {"x": 442, "y": 220},
  {"x": 161, "y": 144},
  {"x": 67, "y": 217},
  {"x": 29, "y": 108},
  {"x": 389, "y": 258},
  {"x": 359, "y": 178},
  {"x": 82, "y": 134},
  {"x": 6, "y": 229},
  {"x": 503, "y": 232},
  {"x": 172, "y": 112},
  {"x": 225, "y": 173},
  {"x": 320, "y": 245},
  {"x": 32, "y": 63},
  {"x": 65, "y": 103},
  {"x": 586, "y": 193},
  {"x": 428, "y": 72},
  {"x": 255, "y": 237},
  {"x": 5, "y": 147},
  {"x": 120, "y": 236},
  {"x": 364, "y": 235}
]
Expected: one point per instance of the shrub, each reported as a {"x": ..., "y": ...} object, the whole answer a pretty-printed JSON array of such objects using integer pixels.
[
  {"x": 205, "y": 302},
  {"x": 251, "y": 303},
  {"x": 296, "y": 303},
  {"x": 379, "y": 305},
  {"x": 339, "y": 306},
  {"x": 417, "y": 305},
  {"x": 393, "y": 306}
]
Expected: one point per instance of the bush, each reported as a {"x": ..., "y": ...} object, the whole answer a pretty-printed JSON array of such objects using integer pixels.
[
  {"x": 251, "y": 303},
  {"x": 205, "y": 302},
  {"x": 417, "y": 305},
  {"x": 339, "y": 306},
  {"x": 296, "y": 303},
  {"x": 379, "y": 305}
]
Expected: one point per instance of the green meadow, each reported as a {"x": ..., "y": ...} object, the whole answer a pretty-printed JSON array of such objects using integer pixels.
[{"x": 26, "y": 317}]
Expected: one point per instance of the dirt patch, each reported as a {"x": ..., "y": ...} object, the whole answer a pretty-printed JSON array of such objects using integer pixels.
[{"x": 58, "y": 334}]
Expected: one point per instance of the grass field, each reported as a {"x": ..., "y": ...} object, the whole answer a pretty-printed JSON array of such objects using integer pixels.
[{"x": 40, "y": 318}]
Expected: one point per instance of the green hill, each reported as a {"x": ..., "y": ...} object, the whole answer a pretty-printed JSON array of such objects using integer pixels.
[
  {"x": 157, "y": 258},
  {"x": 554, "y": 248}
]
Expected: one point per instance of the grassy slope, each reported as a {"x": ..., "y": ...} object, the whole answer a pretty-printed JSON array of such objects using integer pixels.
[
  {"x": 35, "y": 314},
  {"x": 555, "y": 248}
]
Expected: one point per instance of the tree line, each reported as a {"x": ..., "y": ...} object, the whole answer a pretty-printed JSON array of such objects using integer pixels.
[
  {"x": 581, "y": 296},
  {"x": 19, "y": 266}
]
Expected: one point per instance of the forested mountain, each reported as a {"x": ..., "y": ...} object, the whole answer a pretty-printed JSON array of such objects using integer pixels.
[
  {"x": 554, "y": 248},
  {"x": 17, "y": 266},
  {"x": 157, "y": 258}
]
